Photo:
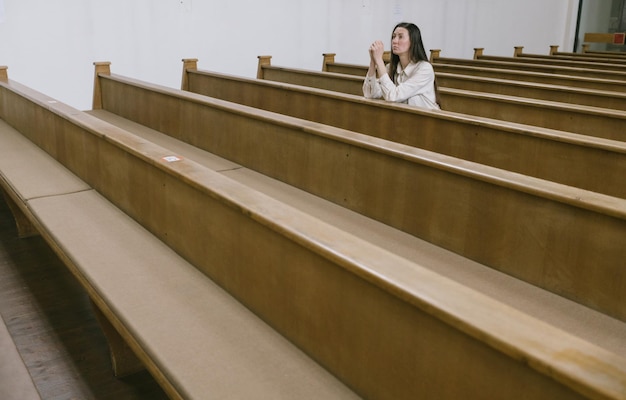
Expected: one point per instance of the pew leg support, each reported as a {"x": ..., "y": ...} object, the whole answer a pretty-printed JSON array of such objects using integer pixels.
[
  {"x": 123, "y": 360},
  {"x": 25, "y": 228}
]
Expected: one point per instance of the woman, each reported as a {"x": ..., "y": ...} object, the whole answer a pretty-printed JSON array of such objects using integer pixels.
[{"x": 409, "y": 77}]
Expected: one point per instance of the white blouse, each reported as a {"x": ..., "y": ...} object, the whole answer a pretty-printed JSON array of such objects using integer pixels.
[{"x": 415, "y": 86}]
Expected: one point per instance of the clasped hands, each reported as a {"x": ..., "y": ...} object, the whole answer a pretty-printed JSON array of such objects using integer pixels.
[{"x": 376, "y": 51}]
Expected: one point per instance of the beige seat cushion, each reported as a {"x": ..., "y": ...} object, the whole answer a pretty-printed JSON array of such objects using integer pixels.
[
  {"x": 22, "y": 163},
  {"x": 204, "y": 340}
]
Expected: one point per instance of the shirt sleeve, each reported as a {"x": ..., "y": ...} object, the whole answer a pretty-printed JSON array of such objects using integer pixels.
[
  {"x": 371, "y": 88},
  {"x": 420, "y": 80}
]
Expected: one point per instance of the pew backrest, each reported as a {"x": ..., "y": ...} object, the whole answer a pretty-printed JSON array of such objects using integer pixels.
[{"x": 525, "y": 58}]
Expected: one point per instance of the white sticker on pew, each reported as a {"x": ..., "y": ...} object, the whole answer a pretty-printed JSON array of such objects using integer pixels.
[{"x": 171, "y": 158}]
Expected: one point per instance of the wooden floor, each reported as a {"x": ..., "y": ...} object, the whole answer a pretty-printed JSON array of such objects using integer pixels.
[{"x": 52, "y": 324}]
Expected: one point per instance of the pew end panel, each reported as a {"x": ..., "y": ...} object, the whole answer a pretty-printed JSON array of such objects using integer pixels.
[
  {"x": 329, "y": 58},
  {"x": 188, "y": 64},
  {"x": 263, "y": 61}
]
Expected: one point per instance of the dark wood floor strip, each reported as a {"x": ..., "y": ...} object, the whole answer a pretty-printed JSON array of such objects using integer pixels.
[{"x": 50, "y": 319}]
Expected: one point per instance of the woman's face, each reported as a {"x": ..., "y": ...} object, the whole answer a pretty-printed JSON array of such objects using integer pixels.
[{"x": 400, "y": 42}]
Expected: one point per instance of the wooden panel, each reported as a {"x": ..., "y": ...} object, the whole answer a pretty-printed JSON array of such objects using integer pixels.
[{"x": 562, "y": 157}]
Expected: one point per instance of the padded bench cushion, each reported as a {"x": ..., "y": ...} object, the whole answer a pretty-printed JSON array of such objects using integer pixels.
[
  {"x": 23, "y": 164},
  {"x": 204, "y": 340}
]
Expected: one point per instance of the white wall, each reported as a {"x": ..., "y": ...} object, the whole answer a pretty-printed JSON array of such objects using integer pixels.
[{"x": 50, "y": 45}]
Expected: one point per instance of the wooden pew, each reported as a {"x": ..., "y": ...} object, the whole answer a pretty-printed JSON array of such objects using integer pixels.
[
  {"x": 123, "y": 165},
  {"x": 323, "y": 160},
  {"x": 542, "y": 91},
  {"x": 520, "y": 57},
  {"x": 586, "y": 72},
  {"x": 476, "y": 139},
  {"x": 529, "y": 76},
  {"x": 109, "y": 204},
  {"x": 595, "y": 53},
  {"x": 556, "y": 54},
  {"x": 586, "y": 120},
  {"x": 127, "y": 97},
  {"x": 183, "y": 197}
]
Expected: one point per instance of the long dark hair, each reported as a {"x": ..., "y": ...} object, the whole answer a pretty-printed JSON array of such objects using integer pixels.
[{"x": 416, "y": 51}]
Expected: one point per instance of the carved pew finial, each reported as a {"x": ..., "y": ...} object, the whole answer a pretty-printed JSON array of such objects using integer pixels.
[
  {"x": 478, "y": 52},
  {"x": 518, "y": 51},
  {"x": 434, "y": 54},
  {"x": 553, "y": 49},
  {"x": 188, "y": 64},
  {"x": 101, "y": 67},
  {"x": 263, "y": 60},
  {"x": 4, "y": 77},
  {"x": 329, "y": 58},
  {"x": 585, "y": 48}
]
